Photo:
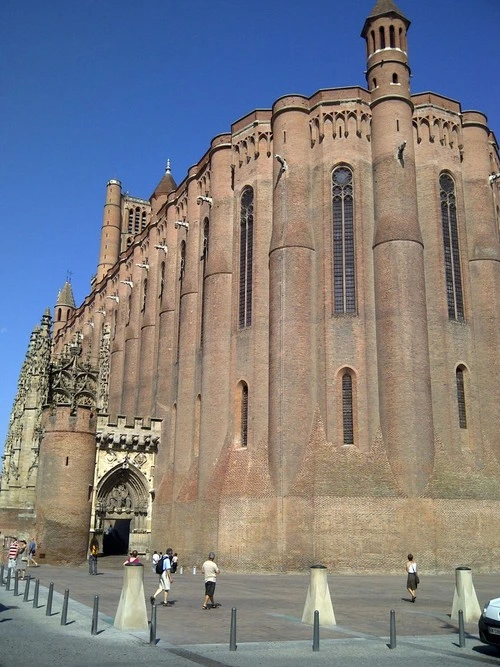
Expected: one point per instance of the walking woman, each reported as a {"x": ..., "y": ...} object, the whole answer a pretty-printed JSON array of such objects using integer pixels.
[{"x": 411, "y": 580}]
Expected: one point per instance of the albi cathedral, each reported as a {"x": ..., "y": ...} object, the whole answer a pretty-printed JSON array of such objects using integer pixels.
[{"x": 292, "y": 356}]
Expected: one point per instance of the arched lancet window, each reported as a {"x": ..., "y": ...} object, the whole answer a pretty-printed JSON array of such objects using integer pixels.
[
  {"x": 137, "y": 221},
  {"x": 381, "y": 32},
  {"x": 241, "y": 415},
  {"x": 204, "y": 258},
  {"x": 392, "y": 37},
  {"x": 344, "y": 279},
  {"x": 451, "y": 248},
  {"x": 246, "y": 258},
  {"x": 130, "y": 224},
  {"x": 394, "y": 78},
  {"x": 143, "y": 220},
  {"x": 183, "y": 261},
  {"x": 462, "y": 412},
  {"x": 144, "y": 294},
  {"x": 372, "y": 34},
  {"x": 162, "y": 278},
  {"x": 347, "y": 409}
]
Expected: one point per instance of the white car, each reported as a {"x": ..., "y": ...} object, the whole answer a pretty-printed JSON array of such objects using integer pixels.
[{"x": 489, "y": 623}]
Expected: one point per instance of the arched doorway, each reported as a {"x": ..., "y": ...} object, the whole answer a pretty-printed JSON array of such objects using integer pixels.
[{"x": 121, "y": 510}]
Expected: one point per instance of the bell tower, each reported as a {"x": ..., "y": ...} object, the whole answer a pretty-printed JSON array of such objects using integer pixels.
[{"x": 401, "y": 314}]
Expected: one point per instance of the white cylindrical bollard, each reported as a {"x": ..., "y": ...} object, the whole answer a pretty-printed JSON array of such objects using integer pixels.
[
  {"x": 465, "y": 597},
  {"x": 194, "y": 569},
  {"x": 131, "y": 613},
  {"x": 318, "y": 598},
  {"x": 181, "y": 570}
]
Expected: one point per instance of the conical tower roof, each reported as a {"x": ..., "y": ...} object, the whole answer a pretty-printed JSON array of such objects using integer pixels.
[
  {"x": 166, "y": 185},
  {"x": 384, "y": 8},
  {"x": 65, "y": 296}
]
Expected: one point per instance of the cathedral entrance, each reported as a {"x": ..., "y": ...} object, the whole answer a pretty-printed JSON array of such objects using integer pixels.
[{"x": 121, "y": 510}]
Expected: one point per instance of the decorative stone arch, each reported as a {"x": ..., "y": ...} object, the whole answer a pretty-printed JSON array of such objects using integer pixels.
[{"x": 121, "y": 508}]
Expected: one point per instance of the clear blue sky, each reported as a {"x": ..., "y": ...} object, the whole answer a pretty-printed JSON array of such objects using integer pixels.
[{"x": 92, "y": 90}]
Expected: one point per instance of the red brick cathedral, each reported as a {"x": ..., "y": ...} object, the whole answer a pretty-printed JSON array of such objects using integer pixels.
[{"x": 289, "y": 358}]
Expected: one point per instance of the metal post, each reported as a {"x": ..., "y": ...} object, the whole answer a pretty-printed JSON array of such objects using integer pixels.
[
  {"x": 232, "y": 636},
  {"x": 64, "y": 612},
  {"x": 461, "y": 629},
  {"x": 2, "y": 570},
  {"x": 181, "y": 570},
  {"x": 316, "y": 631},
  {"x": 27, "y": 588},
  {"x": 152, "y": 626},
  {"x": 48, "y": 610},
  {"x": 9, "y": 577},
  {"x": 392, "y": 643},
  {"x": 16, "y": 583},
  {"x": 95, "y": 613},
  {"x": 35, "y": 596}
]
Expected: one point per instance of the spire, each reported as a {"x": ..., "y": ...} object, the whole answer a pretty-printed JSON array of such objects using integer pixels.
[
  {"x": 166, "y": 185},
  {"x": 65, "y": 296},
  {"x": 384, "y": 8}
]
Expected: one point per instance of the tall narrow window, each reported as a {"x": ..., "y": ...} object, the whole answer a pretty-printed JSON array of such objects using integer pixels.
[
  {"x": 246, "y": 258},
  {"x": 162, "y": 279},
  {"x": 344, "y": 282},
  {"x": 244, "y": 415},
  {"x": 130, "y": 227},
  {"x": 143, "y": 220},
  {"x": 451, "y": 248},
  {"x": 462, "y": 414},
  {"x": 137, "y": 220},
  {"x": 183, "y": 261},
  {"x": 204, "y": 258},
  {"x": 144, "y": 294},
  {"x": 347, "y": 409}
]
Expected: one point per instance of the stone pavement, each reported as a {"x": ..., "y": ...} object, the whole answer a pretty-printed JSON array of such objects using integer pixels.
[{"x": 269, "y": 628}]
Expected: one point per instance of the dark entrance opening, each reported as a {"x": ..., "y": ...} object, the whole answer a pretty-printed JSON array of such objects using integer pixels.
[{"x": 116, "y": 537}]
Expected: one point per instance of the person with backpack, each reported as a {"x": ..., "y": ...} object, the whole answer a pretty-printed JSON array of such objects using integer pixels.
[{"x": 163, "y": 568}]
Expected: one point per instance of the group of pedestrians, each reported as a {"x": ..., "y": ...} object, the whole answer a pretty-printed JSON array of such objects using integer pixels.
[
  {"x": 21, "y": 555},
  {"x": 166, "y": 565}
]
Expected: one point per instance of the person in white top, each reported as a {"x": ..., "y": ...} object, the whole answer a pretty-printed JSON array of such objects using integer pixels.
[
  {"x": 210, "y": 570},
  {"x": 411, "y": 579}
]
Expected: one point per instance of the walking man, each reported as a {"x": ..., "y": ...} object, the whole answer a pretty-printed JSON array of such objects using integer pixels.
[
  {"x": 93, "y": 557},
  {"x": 163, "y": 569},
  {"x": 210, "y": 570},
  {"x": 32, "y": 552}
]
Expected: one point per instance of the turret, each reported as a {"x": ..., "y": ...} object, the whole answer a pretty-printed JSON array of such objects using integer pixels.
[
  {"x": 111, "y": 229},
  {"x": 398, "y": 256},
  {"x": 64, "y": 308}
]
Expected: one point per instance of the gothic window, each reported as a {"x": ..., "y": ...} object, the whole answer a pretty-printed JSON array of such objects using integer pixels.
[
  {"x": 462, "y": 414},
  {"x": 451, "y": 248},
  {"x": 344, "y": 283},
  {"x": 382, "y": 37},
  {"x": 162, "y": 279},
  {"x": 392, "y": 37},
  {"x": 246, "y": 258},
  {"x": 204, "y": 258},
  {"x": 137, "y": 220},
  {"x": 143, "y": 220},
  {"x": 347, "y": 409},
  {"x": 130, "y": 227},
  {"x": 144, "y": 294},
  {"x": 241, "y": 415},
  {"x": 183, "y": 261}
]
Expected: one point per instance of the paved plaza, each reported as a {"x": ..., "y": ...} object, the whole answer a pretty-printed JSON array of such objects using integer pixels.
[{"x": 268, "y": 621}]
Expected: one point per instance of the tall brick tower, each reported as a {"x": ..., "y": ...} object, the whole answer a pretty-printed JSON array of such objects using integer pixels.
[
  {"x": 111, "y": 228},
  {"x": 400, "y": 300}
]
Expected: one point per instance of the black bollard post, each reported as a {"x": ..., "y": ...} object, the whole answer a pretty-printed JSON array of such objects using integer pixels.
[
  {"x": 2, "y": 571},
  {"x": 48, "y": 610},
  {"x": 95, "y": 613},
  {"x": 16, "y": 583},
  {"x": 35, "y": 596},
  {"x": 64, "y": 612},
  {"x": 316, "y": 631},
  {"x": 27, "y": 588},
  {"x": 461, "y": 629},
  {"x": 232, "y": 636},
  {"x": 392, "y": 643},
  {"x": 9, "y": 577},
  {"x": 152, "y": 626}
]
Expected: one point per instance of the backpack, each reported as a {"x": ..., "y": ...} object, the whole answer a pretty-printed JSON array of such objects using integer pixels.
[{"x": 159, "y": 565}]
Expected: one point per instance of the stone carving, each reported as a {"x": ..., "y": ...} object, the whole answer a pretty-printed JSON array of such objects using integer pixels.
[
  {"x": 140, "y": 459},
  {"x": 118, "y": 500},
  {"x": 103, "y": 378}
]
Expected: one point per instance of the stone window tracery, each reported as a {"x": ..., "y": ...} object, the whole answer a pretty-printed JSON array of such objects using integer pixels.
[
  {"x": 344, "y": 279},
  {"x": 451, "y": 248},
  {"x": 246, "y": 258}
]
